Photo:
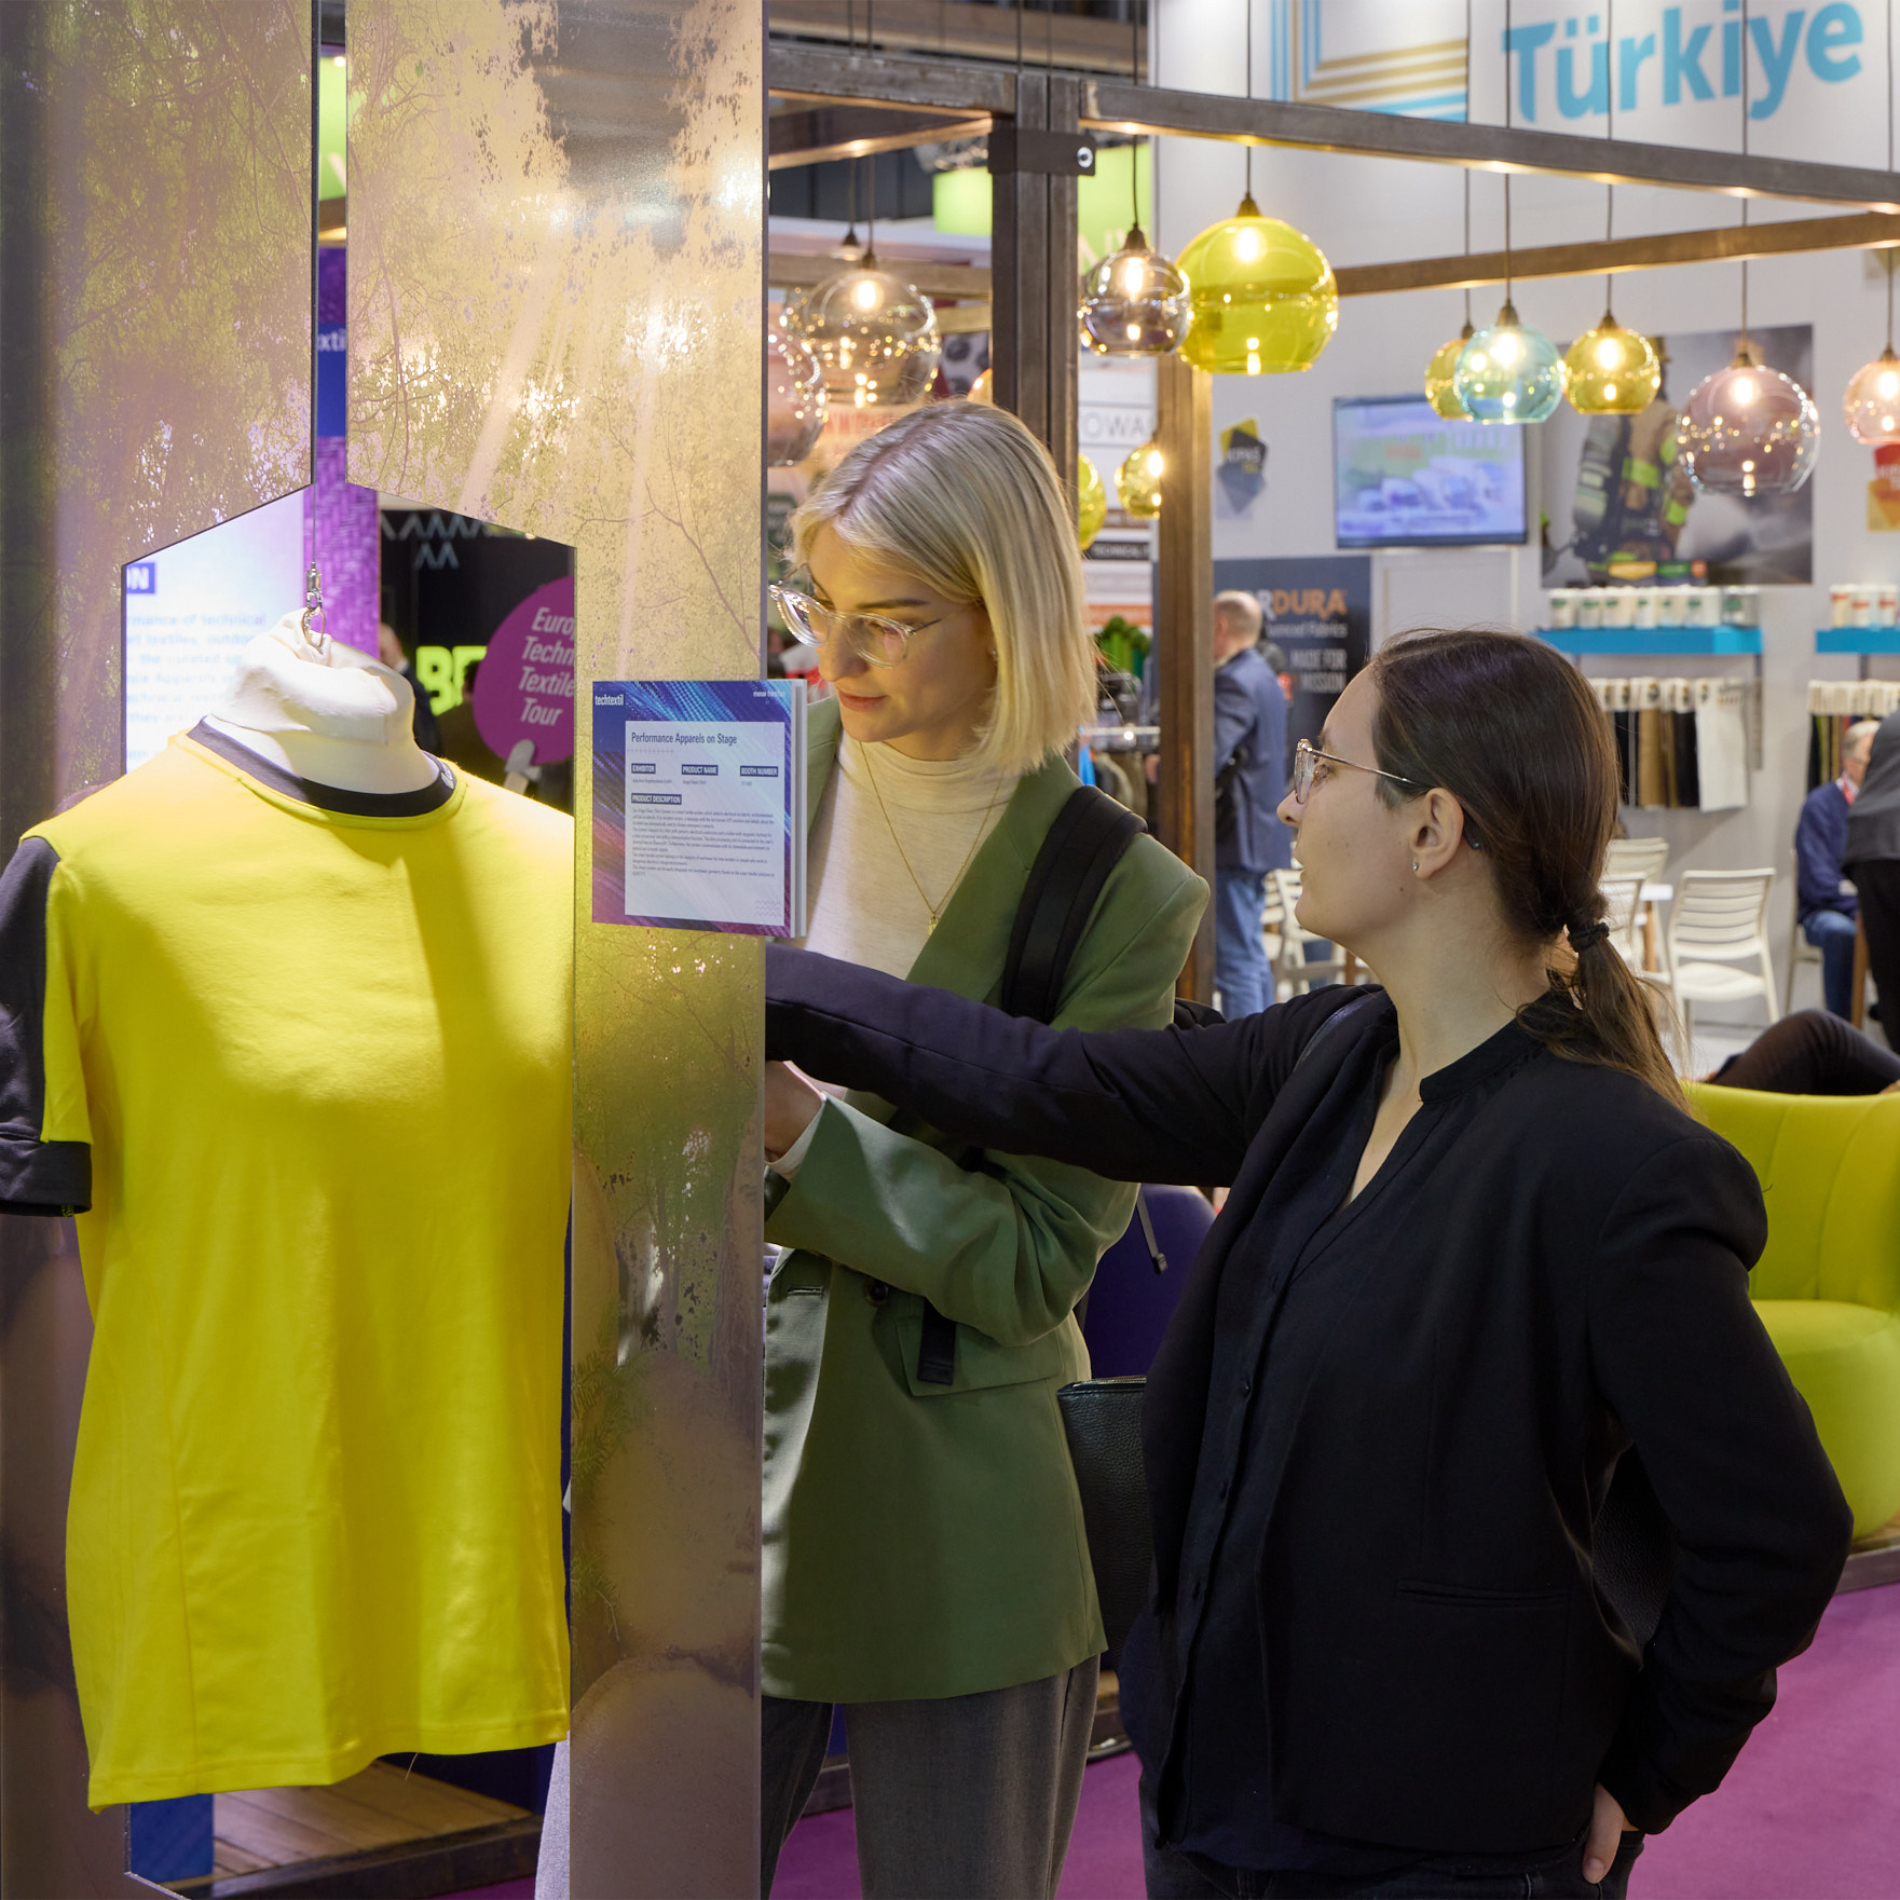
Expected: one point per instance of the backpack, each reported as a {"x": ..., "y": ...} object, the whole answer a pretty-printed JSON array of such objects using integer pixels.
[{"x": 1090, "y": 836}]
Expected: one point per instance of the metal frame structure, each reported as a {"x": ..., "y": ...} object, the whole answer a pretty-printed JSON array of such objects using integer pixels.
[
  {"x": 817, "y": 74},
  {"x": 849, "y": 102}
]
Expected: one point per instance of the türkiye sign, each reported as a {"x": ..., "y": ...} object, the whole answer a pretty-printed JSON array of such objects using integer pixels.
[
  {"x": 1813, "y": 75},
  {"x": 1690, "y": 53}
]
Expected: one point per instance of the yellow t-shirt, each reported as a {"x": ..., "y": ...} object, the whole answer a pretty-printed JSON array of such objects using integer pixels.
[{"x": 317, "y": 1065}]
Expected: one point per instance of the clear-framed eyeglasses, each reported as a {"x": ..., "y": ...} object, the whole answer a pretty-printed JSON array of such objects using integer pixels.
[
  {"x": 876, "y": 639},
  {"x": 1307, "y": 757}
]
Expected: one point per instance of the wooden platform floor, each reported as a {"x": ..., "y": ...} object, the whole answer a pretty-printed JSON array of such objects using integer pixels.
[{"x": 381, "y": 1807}]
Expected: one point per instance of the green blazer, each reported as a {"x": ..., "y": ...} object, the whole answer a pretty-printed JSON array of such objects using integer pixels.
[{"x": 927, "y": 1540}]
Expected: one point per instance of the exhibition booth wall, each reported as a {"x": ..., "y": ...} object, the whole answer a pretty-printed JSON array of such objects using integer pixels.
[{"x": 1364, "y": 211}]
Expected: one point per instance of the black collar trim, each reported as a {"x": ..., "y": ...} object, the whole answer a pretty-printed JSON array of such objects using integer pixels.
[
  {"x": 417, "y": 804},
  {"x": 1496, "y": 1055}
]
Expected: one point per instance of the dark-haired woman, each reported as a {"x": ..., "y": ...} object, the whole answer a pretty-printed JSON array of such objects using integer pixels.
[{"x": 1474, "y": 1253}]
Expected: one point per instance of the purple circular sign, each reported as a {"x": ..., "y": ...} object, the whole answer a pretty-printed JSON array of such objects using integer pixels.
[{"x": 525, "y": 689}]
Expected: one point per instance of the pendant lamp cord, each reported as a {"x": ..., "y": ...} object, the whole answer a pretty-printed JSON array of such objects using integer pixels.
[
  {"x": 1507, "y": 127},
  {"x": 1888, "y": 253},
  {"x": 1745, "y": 154},
  {"x": 851, "y": 164},
  {"x": 1134, "y": 79},
  {"x": 1249, "y": 4},
  {"x": 1609, "y": 106},
  {"x": 1467, "y": 169},
  {"x": 870, "y": 214}
]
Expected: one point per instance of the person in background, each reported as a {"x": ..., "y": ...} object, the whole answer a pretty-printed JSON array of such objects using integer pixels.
[
  {"x": 1825, "y": 901},
  {"x": 1811, "y": 1053},
  {"x": 389, "y": 649},
  {"x": 1475, "y": 1256},
  {"x": 460, "y": 741},
  {"x": 924, "y": 1556},
  {"x": 1250, "y": 779},
  {"x": 1278, "y": 665},
  {"x": 1871, "y": 857}
]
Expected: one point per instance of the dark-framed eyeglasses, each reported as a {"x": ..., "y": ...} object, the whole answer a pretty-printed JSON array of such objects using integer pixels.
[
  {"x": 876, "y": 639},
  {"x": 1307, "y": 756}
]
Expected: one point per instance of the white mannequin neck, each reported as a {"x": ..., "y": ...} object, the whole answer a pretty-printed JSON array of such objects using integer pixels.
[{"x": 333, "y": 717}]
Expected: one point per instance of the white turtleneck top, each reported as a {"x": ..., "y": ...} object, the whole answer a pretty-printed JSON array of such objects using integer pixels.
[{"x": 865, "y": 903}]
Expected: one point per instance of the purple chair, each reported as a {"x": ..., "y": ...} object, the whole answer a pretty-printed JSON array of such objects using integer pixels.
[{"x": 1129, "y": 1303}]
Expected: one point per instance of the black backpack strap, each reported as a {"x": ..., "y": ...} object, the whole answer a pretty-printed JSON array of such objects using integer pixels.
[{"x": 1090, "y": 836}]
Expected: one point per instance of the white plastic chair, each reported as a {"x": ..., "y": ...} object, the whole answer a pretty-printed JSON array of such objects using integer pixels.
[
  {"x": 1622, "y": 908},
  {"x": 1717, "y": 924},
  {"x": 1293, "y": 969},
  {"x": 1643, "y": 859},
  {"x": 1640, "y": 858},
  {"x": 1272, "y": 927},
  {"x": 1800, "y": 951}
]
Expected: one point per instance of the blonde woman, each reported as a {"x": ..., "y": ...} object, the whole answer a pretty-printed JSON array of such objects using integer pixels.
[{"x": 925, "y": 1563}]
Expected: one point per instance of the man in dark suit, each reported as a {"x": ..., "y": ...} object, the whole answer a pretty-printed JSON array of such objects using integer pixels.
[
  {"x": 1250, "y": 764},
  {"x": 1826, "y": 905}
]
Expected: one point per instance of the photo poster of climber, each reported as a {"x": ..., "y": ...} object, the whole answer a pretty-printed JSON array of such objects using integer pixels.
[{"x": 1618, "y": 505}]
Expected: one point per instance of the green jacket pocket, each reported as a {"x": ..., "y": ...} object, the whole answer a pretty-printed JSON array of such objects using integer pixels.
[{"x": 982, "y": 1364}]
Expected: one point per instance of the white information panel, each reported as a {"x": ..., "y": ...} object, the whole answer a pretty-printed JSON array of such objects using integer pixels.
[{"x": 192, "y": 608}]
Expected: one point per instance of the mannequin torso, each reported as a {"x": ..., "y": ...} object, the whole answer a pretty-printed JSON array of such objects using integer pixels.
[{"x": 332, "y": 717}]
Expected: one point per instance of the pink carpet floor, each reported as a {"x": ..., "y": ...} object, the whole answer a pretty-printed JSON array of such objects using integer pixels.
[{"x": 1811, "y": 1811}]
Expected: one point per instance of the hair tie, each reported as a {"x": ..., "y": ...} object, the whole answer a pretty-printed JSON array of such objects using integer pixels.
[{"x": 1582, "y": 937}]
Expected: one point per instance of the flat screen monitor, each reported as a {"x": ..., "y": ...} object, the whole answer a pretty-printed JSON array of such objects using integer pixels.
[{"x": 1405, "y": 477}]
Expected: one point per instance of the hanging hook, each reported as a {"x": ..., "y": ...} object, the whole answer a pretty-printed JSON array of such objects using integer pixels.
[{"x": 313, "y": 609}]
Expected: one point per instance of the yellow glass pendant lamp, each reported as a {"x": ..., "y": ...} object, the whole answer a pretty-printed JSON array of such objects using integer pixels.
[
  {"x": 1611, "y": 371},
  {"x": 1440, "y": 391},
  {"x": 1262, "y": 294},
  {"x": 1138, "y": 481},
  {"x": 1091, "y": 500}
]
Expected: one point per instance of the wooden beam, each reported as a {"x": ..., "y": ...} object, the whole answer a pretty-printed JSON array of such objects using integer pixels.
[
  {"x": 794, "y": 71},
  {"x": 815, "y": 134},
  {"x": 1033, "y": 274},
  {"x": 1117, "y": 106},
  {"x": 1866, "y": 230},
  {"x": 1184, "y": 639},
  {"x": 1066, "y": 40},
  {"x": 1113, "y": 104},
  {"x": 797, "y": 270}
]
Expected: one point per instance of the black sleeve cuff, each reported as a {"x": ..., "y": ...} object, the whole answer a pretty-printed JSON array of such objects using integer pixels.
[{"x": 43, "y": 1177}]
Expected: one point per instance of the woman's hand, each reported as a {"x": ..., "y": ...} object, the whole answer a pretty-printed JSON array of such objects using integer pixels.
[
  {"x": 1608, "y": 1823},
  {"x": 791, "y": 1106}
]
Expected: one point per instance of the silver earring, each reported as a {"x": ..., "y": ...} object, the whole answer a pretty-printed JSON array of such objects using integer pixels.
[{"x": 1414, "y": 864}]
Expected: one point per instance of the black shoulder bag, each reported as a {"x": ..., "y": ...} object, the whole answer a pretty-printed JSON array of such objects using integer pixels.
[{"x": 1101, "y": 1419}]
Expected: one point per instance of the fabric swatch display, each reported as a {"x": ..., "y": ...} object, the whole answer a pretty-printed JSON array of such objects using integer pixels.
[
  {"x": 1833, "y": 706},
  {"x": 299, "y": 1059},
  {"x": 1681, "y": 744}
]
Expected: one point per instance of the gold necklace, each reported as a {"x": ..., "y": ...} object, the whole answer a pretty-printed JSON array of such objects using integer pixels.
[{"x": 934, "y": 910}]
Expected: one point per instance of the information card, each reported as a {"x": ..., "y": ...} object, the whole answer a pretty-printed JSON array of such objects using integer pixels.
[{"x": 699, "y": 805}]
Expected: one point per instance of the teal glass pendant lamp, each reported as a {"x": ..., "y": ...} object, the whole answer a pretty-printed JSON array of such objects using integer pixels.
[{"x": 1509, "y": 373}]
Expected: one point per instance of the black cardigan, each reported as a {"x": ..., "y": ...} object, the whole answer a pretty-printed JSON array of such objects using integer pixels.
[{"x": 1443, "y": 1672}]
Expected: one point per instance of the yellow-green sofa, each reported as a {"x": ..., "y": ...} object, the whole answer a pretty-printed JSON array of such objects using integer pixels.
[{"x": 1828, "y": 1286}]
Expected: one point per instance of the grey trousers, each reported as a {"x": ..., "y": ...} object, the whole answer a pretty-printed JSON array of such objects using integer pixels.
[{"x": 961, "y": 1798}]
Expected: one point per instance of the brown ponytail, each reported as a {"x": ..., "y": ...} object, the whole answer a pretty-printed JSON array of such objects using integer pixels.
[{"x": 1507, "y": 726}]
